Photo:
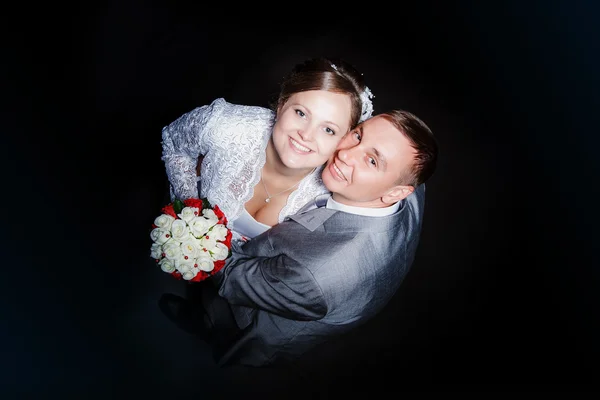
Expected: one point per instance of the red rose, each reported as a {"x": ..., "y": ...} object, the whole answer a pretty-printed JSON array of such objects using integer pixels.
[
  {"x": 200, "y": 276},
  {"x": 168, "y": 209},
  {"x": 193, "y": 203},
  {"x": 220, "y": 215},
  {"x": 227, "y": 241},
  {"x": 218, "y": 265},
  {"x": 176, "y": 275}
]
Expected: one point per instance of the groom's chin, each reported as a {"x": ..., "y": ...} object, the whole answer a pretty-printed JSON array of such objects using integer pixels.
[{"x": 331, "y": 184}]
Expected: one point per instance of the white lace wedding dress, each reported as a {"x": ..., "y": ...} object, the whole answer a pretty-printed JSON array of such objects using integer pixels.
[{"x": 232, "y": 138}]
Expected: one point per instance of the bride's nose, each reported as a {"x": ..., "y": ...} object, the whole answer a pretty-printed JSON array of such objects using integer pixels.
[{"x": 307, "y": 134}]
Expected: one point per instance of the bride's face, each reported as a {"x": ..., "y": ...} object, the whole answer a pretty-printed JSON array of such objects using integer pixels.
[{"x": 309, "y": 127}]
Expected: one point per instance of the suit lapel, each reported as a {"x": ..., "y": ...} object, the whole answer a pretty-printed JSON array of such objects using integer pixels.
[
  {"x": 313, "y": 219},
  {"x": 317, "y": 202}
]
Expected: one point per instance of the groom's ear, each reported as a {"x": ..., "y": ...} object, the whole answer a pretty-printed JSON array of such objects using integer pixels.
[{"x": 397, "y": 193}]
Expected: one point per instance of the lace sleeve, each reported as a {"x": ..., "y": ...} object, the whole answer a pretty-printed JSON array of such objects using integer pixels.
[{"x": 182, "y": 143}]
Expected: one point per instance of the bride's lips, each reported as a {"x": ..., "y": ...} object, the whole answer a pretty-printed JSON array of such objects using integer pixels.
[
  {"x": 337, "y": 173},
  {"x": 299, "y": 148}
]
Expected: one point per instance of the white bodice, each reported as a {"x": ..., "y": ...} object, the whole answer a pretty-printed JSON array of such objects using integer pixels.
[{"x": 247, "y": 227}]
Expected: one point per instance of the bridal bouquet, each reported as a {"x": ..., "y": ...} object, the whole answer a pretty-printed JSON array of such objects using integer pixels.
[{"x": 190, "y": 239}]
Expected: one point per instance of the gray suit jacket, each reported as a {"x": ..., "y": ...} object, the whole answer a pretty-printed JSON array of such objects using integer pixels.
[{"x": 313, "y": 276}]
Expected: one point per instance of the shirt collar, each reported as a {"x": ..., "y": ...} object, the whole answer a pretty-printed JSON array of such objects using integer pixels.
[{"x": 367, "y": 211}]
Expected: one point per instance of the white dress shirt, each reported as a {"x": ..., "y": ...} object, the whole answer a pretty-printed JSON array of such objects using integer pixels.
[{"x": 368, "y": 211}]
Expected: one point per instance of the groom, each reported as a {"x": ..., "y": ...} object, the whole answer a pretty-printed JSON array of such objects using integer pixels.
[{"x": 324, "y": 271}]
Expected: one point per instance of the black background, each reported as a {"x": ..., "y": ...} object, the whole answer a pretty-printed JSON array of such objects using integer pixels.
[{"x": 504, "y": 291}]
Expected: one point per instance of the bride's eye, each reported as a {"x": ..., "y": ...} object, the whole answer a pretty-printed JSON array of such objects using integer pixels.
[{"x": 300, "y": 113}]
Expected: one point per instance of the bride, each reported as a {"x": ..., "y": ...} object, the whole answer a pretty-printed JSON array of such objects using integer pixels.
[{"x": 260, "y": 165}]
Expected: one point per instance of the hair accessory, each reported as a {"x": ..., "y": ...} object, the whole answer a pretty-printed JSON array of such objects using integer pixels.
[
  {"x": 365, "y": 98},
  {"x": 367, "y": 104}
]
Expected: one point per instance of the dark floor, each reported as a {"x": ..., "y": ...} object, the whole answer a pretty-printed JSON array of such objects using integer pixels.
[{"x": 503, "y": 296}]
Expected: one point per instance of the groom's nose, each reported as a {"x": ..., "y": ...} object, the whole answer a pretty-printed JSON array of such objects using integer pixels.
[{"x": 347, "y": 154}]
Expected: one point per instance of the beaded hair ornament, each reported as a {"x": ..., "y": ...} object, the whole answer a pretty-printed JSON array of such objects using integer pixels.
[{"x": 367, "y": 104}]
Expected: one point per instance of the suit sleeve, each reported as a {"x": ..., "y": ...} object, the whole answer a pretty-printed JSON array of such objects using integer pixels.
[
  {"x": 183, "y": 142},
  {"x": 277, "y": 284}
]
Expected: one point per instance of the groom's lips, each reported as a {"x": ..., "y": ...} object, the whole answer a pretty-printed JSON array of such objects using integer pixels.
[{"x": 337, "y": 173}]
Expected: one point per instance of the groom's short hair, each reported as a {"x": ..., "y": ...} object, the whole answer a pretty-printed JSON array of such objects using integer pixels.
[{"x": 422, "y": 140}]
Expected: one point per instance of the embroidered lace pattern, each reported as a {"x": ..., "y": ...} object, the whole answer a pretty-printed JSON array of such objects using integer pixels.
[{"x": 233, "y": 139}]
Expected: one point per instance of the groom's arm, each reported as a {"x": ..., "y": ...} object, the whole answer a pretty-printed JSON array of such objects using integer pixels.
[{"x": 276, "y": 284}]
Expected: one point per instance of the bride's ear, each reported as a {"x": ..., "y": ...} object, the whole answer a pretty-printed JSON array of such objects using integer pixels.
[{"x": 397, "y": 193}]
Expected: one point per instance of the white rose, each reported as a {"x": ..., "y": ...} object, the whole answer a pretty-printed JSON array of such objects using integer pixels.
[
  {"x": 219, "y": 231},
  {"x": 159, "y": 235},
  {"x": 189, "y": 275},
  {"x": 180, "y": 230},
  {"x": 190, "y": 248},
  {"x": 182, "y": 265},
  {"x": 164, "y": 221},
  {"x": 188, "y": 213},
  {"x": 166, "y": 265},
  {"x": 156, "y": 251},
  {"x": 199, "y": 226},
  {"x": 205, "y": 263},
  {"x": 208, "y": 242},
  {"x": 172, "y": 250},
  {"x": 219, "y": 252},
  {"x": 210, "y": 216}
]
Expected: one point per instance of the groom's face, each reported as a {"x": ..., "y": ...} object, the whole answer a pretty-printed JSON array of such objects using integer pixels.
[{"x": 368, "y": 164}]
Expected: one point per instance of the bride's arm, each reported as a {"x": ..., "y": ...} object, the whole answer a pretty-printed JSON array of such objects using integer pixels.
[{"x": 183, "y": 147}]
